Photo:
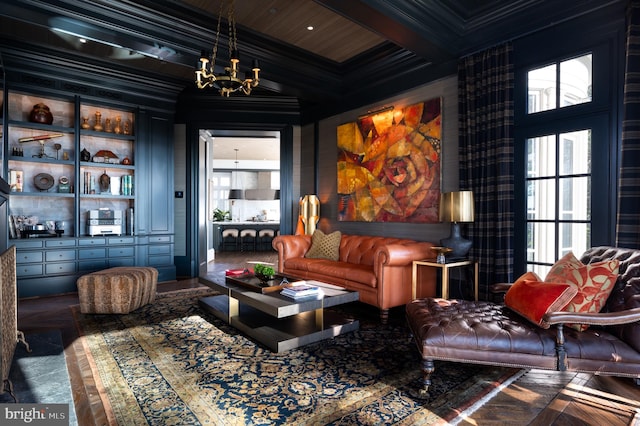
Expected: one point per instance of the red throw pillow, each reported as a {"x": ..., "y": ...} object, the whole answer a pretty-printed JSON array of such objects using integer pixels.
[
  {"x": 594, "y": 283},
  {"x": 533, "y": 299},
  {"x": 528, "y": 276}
]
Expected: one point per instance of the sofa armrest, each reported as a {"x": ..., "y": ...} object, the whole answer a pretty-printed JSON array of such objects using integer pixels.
[
  {"x": 289, "y": 246},
  {"x": 607, "y": 318},
  {"x": 403, "y": 254}
]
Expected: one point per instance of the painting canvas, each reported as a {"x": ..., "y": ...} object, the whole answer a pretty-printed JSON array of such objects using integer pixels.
[{"x": 389, "y": 165}]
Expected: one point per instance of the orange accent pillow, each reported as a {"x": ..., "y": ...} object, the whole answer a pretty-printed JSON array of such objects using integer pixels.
[
  {"x": 594, "y": 283},
  {"x": 528, "y": 276},
  {"x": 533, "y": 299}
]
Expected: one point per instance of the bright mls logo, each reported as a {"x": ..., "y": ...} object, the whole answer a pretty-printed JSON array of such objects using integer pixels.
[{"x": 34, "y": 414}]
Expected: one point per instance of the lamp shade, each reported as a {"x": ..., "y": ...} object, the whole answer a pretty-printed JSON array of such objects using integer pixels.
[
  {"x": 236, "y": 194},
  {"x": 456, "y": 206}
]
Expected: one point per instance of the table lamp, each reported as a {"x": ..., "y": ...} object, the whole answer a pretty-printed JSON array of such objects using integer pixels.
[
  {"x": 456, "y": 207},
  {"x": 310, "y": 213}
]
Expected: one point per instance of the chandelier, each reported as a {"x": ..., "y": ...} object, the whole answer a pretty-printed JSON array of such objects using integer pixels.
[{"x": 227, "y": 82}]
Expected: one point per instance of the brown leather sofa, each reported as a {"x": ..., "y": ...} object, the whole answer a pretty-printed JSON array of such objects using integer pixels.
[
  {"x": 490, "y": 333},
  {"x": 379, "y": 268}
]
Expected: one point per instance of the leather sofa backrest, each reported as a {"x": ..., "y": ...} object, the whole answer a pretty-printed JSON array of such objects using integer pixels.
[
  {"x": 360, "y": 249},
  {"x": 626, "y": 293}
]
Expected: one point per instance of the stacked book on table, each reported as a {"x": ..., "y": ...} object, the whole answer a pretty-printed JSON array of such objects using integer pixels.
[{"x": 302, "y": 290}]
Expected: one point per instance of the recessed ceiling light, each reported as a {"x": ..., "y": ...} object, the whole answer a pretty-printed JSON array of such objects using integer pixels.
[
  {"x": 310, "y": 27},
  {"x": 82, "y": 40}
]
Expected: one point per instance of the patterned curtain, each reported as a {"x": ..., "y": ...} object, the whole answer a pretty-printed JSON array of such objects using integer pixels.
[
  {"x": 628, "y": 221},
  {"x": 486, "y": 146}
]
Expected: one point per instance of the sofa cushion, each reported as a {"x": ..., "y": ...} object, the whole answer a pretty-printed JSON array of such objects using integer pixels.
[
  {"x": 325, "y": 246},
  {"x": 594, "y": 283},
  {"x": 335, "y": 272},
  {"x": 533, "y": 299}
]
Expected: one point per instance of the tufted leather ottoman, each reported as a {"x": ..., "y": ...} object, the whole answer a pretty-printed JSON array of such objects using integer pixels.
[
  {"x": 117, "y": 290},
  {"x": 490, "y": 333}
]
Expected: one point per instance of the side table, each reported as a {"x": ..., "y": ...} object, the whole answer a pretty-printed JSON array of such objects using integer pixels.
[{"x": 444, "y": 267}]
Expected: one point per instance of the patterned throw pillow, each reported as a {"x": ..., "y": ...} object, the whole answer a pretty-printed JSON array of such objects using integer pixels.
[
  {"x": 325, "y": 246},
  {"x": 594, "y": 283},
  {"x": 533, "y": 299}
]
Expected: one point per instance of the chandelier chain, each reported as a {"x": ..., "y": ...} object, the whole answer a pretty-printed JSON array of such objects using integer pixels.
[
  {"x": 215, "y": 44},
  {"x": 228, "y": 81},
  {"x": 233, "y": 36}
]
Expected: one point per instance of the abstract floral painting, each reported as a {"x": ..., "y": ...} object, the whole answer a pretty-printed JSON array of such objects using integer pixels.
[{"x": 389, "y": 165}]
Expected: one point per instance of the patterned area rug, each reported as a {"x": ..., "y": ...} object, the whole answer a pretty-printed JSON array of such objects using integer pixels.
[{"x": 170, "y": 363}]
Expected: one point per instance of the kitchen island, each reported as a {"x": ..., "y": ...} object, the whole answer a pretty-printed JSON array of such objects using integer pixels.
[{"x": 263, "y": 244}]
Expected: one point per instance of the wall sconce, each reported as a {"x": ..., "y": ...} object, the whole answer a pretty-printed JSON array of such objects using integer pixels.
[
  {"x": 456, "y": 207},
  {"x": 309, "y": 213}
]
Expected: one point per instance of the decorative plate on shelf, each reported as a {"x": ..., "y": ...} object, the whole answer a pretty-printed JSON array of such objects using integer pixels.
[{"x": 43, "y": 181}]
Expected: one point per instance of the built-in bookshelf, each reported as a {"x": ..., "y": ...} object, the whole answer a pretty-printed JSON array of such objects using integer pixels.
[{"x": 82, "y": 160}]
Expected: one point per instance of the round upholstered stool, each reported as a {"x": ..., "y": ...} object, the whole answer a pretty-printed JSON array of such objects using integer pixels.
[{"x": 117, "y": 290}]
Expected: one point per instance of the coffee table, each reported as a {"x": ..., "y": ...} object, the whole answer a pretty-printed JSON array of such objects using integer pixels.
[{"x": 279, "y": 322}]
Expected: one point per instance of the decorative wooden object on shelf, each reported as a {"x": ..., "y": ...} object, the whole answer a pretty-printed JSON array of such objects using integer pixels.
[{"x": 40, "y": 137}]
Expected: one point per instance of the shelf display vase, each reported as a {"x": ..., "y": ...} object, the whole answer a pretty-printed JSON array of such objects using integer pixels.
[
  {"x": 41, "y": 114},
  {"x": 117, "y": 129},
  {"x": 98, "y": 124}
]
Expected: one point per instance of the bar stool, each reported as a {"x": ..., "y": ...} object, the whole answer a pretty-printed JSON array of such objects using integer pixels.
[
  {"x": 248, "y": 240},
  {"x": 230, "y": 239},
  {"x": 265, "y": 236}
]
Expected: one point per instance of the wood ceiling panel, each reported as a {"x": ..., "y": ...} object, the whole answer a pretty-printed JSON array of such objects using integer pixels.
[{"x": 334, "y": 37}]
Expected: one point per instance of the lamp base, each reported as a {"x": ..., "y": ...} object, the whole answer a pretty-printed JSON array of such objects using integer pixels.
[{"x": 459, "y": 246}]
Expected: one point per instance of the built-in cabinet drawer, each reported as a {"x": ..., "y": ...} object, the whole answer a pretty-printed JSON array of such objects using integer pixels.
[
  {"x": 98, "y": 253},
  {"x": 60, "y": 268},
  {"x": 159, "y": 249},
  {"x": 54, "y": 256},
  {"x": 121, "y": 251},
  {"x": 28, "y": 257},
  {"x": 121, "y": 240},
  {"x": 92, "y": 242},
  {"x": 28, "y": 270},
  {"x": 154, "y": 239},
  {"x": 29, "y": 243},
  {"x": 59, "y": 242}
]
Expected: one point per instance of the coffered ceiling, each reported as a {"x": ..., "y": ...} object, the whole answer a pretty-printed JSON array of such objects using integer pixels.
[{"x": 356, "y": 47}]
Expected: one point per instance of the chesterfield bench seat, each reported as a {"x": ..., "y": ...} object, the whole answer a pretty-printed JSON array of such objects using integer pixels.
[
  {"x": 118, "y": 290},
  {"x": 490, "y": 333}
]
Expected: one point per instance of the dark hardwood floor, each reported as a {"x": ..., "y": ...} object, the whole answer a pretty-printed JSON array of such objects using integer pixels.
[{"x": 537, "y": 398}]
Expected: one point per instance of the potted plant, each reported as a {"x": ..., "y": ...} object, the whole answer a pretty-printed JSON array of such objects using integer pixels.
[
  {"x": 220, "y": 215},
  {"x": 264, "y": 273}
]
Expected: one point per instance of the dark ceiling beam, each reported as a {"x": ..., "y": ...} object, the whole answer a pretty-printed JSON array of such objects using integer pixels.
[
  {"x": 30, "y": 67},
  {"x": 175, "y": 35},
  {"x": 388, "y": 27}
]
